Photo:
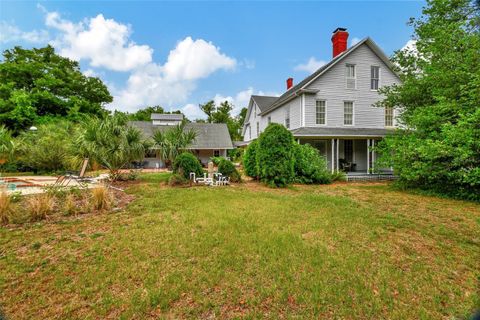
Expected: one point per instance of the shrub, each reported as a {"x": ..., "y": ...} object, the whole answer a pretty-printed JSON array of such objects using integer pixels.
[
  {"x": 236, "y": 154},
  {"x": 177, "y": 180},
  {"x": 338, "y": 176},
  {"x": 5, "y": 207},
  {"x": 216, "y": 160},
  {"x": 250, "y": 160},
  {"x": 101, "y": 198},
  {"x": 275, "y": 156},
  {"x": 227, "y": 168},
  {"x": 40, "y": 206},
  {"x": 310, "y": 166},
  {"x": 186, "y": 163}
]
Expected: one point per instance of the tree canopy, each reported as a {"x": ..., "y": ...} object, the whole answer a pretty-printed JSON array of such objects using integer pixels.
[
  {"x": 37, "y": 84},
  {"x": 440, "y": 102},
  {"x": 222, "y": 114}
]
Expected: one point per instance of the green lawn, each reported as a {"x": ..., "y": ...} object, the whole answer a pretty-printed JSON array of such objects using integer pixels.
[{"x": 344, "y": 251}]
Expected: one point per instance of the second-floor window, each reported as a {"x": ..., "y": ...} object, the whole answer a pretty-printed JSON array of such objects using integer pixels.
[
  {"x": 351, "y": 76},
  {"x": 250, "y": 132},
  {"x": 374, "y": 77},
  {"x": 269, "y": 120},
  {"x": 320, "y": 112},
  {"x": 258, "y": 128},
  {"x": 388, "y": 117},
  {"x": 348, "y": 113},
  {"x": 287, "y": 118}
]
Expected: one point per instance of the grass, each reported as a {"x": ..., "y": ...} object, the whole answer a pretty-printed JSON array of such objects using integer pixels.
[{"x": 343, "y": 251}]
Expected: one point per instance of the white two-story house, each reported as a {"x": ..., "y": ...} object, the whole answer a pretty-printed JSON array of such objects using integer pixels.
[{"x": 332, "y": 109}]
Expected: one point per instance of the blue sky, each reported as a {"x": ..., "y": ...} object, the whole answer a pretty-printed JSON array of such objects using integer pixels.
[{"x": 180, "y": 54}]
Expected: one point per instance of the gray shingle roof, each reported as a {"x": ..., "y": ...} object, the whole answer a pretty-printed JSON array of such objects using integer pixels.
[
  {"x": 209, "y": 135},
  {"x": 340, "y": 132},
  {"x": 166, "y": 116},
  {"x": 263, "y": 102}
]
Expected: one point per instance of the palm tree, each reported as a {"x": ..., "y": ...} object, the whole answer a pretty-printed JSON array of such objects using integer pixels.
[
  {"x": 7, "y": 146},
  {"x": 110, "y": 142},
  {"x": 170, "y": 143}
]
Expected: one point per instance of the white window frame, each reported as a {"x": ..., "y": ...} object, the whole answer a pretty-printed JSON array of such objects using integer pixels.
[
  {"x": 392, "y": 117},
  {"x": 287, "y": 118},
  {"x": 250, "y": 132},
  {"x": 269, "y": 120},
  {"x": 258, "y": 128},
  {"x": 347, "y": 78},
  {"x": 353, "y": 113},
  {"x": 324, "y": 112},
  {"x": 378, "y": 79}
]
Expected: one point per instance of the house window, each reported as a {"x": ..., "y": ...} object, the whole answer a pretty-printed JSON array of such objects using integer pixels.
[
  {"x": 216, "y": 153},
  {"x": 374, "y": 77},
  {"x": 250, "y": 132},
  {"x": 351, "y": 76},
  {"x": 269, "y": 119},
  {"x": 287, "y": 118},
  {"x": 320, "y": 112},
  {"x": 348, "y": 113},
  {"x": 388, "y": 117},
  {"x": 258, "y": 128}
]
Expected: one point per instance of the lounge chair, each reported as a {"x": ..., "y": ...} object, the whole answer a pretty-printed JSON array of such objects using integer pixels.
[{"x": 78, "y": 176}]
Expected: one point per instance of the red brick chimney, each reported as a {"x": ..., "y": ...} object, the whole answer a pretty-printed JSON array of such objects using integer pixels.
[
  {"x": 289, "y": 83},
  {"x": 339, "y": 41}
]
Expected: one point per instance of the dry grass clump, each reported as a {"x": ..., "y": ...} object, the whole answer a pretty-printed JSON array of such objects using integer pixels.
[
  {"x": 40, "y": 206},
  {"x": 70, "y": 206},
  {"x": 102, "y": 199},
  {"x": 6, "y": 207}
]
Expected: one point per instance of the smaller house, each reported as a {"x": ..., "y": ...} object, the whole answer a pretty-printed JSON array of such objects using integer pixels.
[{"x": 213, "y": 139}]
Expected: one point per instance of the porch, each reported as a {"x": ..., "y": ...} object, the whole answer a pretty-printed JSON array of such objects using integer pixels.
[{"x": 353, "y": 155}]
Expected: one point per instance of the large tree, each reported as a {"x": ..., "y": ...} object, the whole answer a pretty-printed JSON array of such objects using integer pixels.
[
  {"x": 38, "y": 83},
  {"x": 145, "y": 113},
  {"x": 440, "y": 102}
]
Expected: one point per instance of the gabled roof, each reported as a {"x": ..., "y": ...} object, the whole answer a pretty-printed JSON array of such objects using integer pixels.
[
  {"x": 209, "y": 135},
  {"x": 263, "y": 102},
  {"x": 301, "y": 87},
  {"x": 166, "y": 116}
]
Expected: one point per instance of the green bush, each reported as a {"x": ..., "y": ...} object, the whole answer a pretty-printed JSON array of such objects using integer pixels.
[
  {"x": 216, "y": 160},
  {"x": 236, "y": 154},
  {"x": 186, "y": 163},
  {"x": 227, "y": 168},
  {"x": 310, "y": 166},
  {"x": 338, "y": 176},
  {"x": 275, "y": 156},
  {"x": 177, "y": 179},
  {"x": 250, "y": 160}
]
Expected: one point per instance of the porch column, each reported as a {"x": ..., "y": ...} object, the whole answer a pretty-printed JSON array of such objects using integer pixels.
[
  {"x": 368, "y": 156},
  {"x": 373, "y": 154},
  {"x": 333, "y": 156},
  {"x": 338, "y": 148}
]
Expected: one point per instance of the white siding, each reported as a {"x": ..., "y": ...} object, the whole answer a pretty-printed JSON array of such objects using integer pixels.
[
  {"x": 278, "y": 115},
  {"x": 332, "y": 89}
]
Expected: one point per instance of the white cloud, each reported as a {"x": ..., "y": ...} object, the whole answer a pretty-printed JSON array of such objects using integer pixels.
[
  {"x": 11, "y": 33},
  {"x": 310, "y": 66},
  {"x": 103, "y": 42},
  {"x": 192, "y": 60},
  {"x": 354, "y": 41},
  {"x": 410, "y": 46},
  {"x": 106, "y": 43},
  {"x": 173, "y": 82},
  {"x": 193, "y": 112}
]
